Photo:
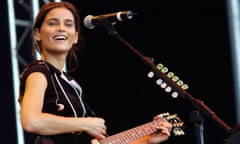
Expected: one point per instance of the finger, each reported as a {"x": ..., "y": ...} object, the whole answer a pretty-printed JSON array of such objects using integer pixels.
[
  {"x": 155, "y": 139},
  {"x": 101, "y": 136},
  {"x": 160, "y": 127},
  {"x": 164, "y": 130}
]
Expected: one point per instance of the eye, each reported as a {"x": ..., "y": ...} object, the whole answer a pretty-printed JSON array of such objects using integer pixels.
[
  {"x": 52, "y": 23},
  {"x": 69, "y": 24}
]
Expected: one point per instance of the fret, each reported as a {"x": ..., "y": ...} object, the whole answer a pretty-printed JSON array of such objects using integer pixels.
[{"x": 128, "y": 136}]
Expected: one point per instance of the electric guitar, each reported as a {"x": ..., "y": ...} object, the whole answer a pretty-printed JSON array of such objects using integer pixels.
[{"x": 128, "y": 136}]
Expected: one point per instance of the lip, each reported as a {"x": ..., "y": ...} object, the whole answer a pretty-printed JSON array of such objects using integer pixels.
[{"x": 61, "y": 37}]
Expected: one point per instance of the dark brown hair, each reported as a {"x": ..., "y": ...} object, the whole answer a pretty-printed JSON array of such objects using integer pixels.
[{"x": 72, "y": 59}]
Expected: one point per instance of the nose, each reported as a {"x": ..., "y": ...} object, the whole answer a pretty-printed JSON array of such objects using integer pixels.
[{"x": 61, "y": 27}]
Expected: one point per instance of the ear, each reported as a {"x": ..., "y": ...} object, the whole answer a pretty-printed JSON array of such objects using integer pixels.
[
  {"x": 37, "y": 34},
  {"x": 76, "y": 38}
]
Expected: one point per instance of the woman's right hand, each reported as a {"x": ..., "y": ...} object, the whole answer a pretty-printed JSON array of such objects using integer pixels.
[{"x": 95, "y": 126}]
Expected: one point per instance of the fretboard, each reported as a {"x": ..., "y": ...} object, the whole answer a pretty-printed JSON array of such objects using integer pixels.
[{"x": 131, "y": 135}]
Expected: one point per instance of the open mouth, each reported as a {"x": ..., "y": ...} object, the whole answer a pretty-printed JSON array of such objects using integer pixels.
[{"x": 60, "y": 37}]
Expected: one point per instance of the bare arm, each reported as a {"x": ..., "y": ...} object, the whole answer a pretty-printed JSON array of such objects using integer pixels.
[{"x": 34, "y": 120}]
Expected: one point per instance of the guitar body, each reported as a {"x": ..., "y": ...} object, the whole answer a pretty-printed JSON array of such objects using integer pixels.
[{"x": 43, "y": 140}]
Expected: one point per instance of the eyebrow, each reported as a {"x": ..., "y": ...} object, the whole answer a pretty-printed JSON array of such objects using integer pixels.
[{"x": 58, "y": 19}]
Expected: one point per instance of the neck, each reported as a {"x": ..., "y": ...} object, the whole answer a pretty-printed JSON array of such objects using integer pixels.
[{"x": 59, "y": 63}]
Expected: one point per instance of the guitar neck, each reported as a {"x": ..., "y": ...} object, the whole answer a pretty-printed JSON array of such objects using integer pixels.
[{"x": 130, "y": 135}]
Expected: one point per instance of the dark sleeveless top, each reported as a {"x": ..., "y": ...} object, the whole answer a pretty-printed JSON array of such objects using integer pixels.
[{"x": 61, "y": 89}]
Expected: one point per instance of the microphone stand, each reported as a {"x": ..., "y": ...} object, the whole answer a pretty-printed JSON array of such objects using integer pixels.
[{"x": 197, "y": 116}]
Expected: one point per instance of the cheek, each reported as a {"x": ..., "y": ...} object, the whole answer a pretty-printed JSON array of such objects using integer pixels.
[
  {"x": 46, "y": 32},
  {"x": 44, "y": 35},
  {"x": 73, "y": 38}
]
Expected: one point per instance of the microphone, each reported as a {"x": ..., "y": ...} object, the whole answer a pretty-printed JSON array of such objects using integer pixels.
[{"x": 91, "y": 21}]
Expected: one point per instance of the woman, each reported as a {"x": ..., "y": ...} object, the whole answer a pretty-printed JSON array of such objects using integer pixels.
[{"x": 53, "y": 108}]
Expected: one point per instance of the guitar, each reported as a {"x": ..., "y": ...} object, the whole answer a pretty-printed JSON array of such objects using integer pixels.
[{"x": 135, "y": 133}]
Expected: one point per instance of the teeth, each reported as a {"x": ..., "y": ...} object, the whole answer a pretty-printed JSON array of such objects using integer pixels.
[{"x": 60, "y": 38}]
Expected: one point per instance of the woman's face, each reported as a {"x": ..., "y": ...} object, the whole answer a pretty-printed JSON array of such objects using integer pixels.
[{"x": 57, "y": 33}]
